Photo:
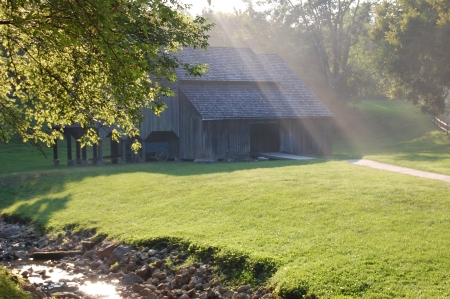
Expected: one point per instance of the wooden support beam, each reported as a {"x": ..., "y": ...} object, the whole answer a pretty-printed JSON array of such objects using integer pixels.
[
  {"x": 77, "y": 152},
  {"x": 100, "y": 153},
  {"x": 55, "y": 153},
  {"x": 70, "y": 161}
]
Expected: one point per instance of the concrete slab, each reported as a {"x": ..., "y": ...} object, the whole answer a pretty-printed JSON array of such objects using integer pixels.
[
  {"x": 284, "y": 156},
  {"x": 403, "y": 170}
]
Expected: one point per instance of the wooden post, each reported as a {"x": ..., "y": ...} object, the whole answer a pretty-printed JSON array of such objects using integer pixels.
[
  {"x": 77, "y": 152},
  {"x": 143, "y": 151},
  {"x": 123, "y": 145},
  {"x": 84, "y": 156},
  {"x": 114, "y": 151},
  {"x": 100, "y": 153},
  {"x": 55, "y": 153},
  {"x": 69, "y": 149}
]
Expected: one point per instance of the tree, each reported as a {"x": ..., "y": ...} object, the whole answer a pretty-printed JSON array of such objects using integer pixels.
[
  {"x": 328, "y": 30},
  {"x": 413, "y": 38},
  {"x": 89, "y": 62}
]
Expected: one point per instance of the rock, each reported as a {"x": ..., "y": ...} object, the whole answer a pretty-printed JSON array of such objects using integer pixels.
[
  {"x": 229, "y": 294},
  {"x": 104, "y": 269},
  {"x": 145, "y": 292},
  {"x": 152, "y": 296},
  {"x": 89, "y": 254},
  {"x": 151, "y": 252},
  {"x": 162, "y": 276},
  {"x": 222, "y": 289},
  {"x": 143, "y": 271},
  {"x": 243, "y": 289},
  {"x": 184, "y": 296},
  {"x": 131, "y": 278},
  {"x": 137, "y": 288},
  {"x": 87, "y": 245},
  {"x": 131, "y": 267},
  {"x": 9, "y": 232},
  {"x": 240, "y": 296},
  {"x": 95, "y": 264},
  {"x": 118, "y": 254},
  {"x": 199, "y": 286},
  {"x": 66, "y": 295},
  {"x": 105, "y": 250}
]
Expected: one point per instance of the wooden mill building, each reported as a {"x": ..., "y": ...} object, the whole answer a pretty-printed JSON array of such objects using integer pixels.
[{"x": 246, "y": 103}]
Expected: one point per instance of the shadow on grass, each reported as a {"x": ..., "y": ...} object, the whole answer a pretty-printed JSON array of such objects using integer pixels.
[
  {"x": 22, "y": 189},
  {"x": 37, "y": 212}
]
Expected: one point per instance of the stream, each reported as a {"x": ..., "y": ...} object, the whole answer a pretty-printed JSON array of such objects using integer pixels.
[
  {"x": 50, "y": 279},
  {"x": 80, "y": 266}
]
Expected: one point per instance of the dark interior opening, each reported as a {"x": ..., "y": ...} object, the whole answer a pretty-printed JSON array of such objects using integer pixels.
[{"x": 264, "y": 138}]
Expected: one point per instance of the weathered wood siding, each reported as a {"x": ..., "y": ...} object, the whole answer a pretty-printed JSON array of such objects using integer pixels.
[
  {"x": 220, "y": 136},
  {"x": 168, "y": 120},
  {"x": 309, "y": 136},
  {"x": 190, "y": 130}
]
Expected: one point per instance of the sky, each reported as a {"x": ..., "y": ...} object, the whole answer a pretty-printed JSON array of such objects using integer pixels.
[{"x": 216, "y": 5}]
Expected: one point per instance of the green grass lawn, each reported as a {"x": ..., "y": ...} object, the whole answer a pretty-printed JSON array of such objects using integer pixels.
[
  {"x": 323, "y": 227},
  {"x": 393, "y": 132},
  {"x": 331, "y": 228}
]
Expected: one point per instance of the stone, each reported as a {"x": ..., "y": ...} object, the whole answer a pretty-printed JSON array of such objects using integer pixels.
[
  {"x": 105, "y": 250},
  {"x": 143, "y": 271},
  {"x": 240, "y": 296},
  {"x": 243, "y": 289},
  {"x": 199, "y": 286},
  {"x": 104, "y": 269},
  {"x": 137, "y": 288},
  {"x": 95, "y": 264},
  {"x": 145, "y": 292},
  {"x": 131, "y": 278},
  {"x": 118, "y": 254},
  {"x": 9, "y": 232},
  {"x": 222, "y": 289},
  {"x": 89, "y": 254},
  {"x": 162, "y": 276},
  {"x": 131, "y": 267},
  {"x": 184, "y": 296},
  {"x": 228, "y": 294},
  {"x": 151, "y": 252}
]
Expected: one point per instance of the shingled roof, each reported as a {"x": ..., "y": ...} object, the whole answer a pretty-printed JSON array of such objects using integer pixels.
[{"x": 241, "y": 84}]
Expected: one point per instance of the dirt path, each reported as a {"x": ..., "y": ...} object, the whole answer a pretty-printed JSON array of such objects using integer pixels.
[{"x": 403, "y": 170}]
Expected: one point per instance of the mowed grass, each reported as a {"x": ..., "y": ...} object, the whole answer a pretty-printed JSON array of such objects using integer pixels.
[
  {"x": 331, "y": 228},
  {"x": 322, "y": 227},
  {"x": 393, "y": 132}
]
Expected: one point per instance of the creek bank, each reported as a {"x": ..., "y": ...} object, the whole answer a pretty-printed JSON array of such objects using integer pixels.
[{"x": 139, "y": 274}]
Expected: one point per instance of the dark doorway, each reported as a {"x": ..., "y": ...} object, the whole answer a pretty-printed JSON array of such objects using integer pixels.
[
  {"x": 161, "y": 140},
  {"x": 264, "y": 138}
]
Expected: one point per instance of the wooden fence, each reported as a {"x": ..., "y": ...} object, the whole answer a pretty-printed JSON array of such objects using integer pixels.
[{"x": 444, "y": 126}]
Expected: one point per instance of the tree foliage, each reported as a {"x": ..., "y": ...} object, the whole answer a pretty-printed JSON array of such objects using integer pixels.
[
  {"x": 89, "y": 62},
  {"x": 328, "y": 29},
  {"x": 413, "y": 38}
]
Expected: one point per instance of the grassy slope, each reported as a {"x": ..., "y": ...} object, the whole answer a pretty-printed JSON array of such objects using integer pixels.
[
  {"x": 9, "y": 288},
  {"x": 340, "y": 229},
  {"x": 332, "y": 228},
  {"x": 394, "y": 132}
]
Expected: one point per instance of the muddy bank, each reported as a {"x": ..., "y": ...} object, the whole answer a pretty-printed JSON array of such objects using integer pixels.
[{"x": 79, "y": 266}]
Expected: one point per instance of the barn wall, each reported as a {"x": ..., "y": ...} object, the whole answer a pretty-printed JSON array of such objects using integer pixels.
[
  {"x": 309, "y": 136},
  {"x": 190, "y": 131},
  {"x": 168, "y": 120},
  {"x": 220, "y": 136}
]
